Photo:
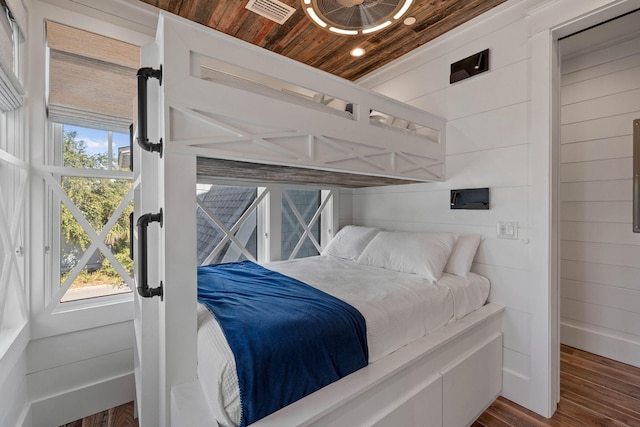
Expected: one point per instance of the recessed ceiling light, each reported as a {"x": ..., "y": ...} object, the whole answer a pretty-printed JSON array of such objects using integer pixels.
[
  {"x": 357, "y": 52},
  {"x": 410, "y": 21}
]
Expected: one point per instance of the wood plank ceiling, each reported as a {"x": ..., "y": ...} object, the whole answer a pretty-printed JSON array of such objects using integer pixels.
[{"x": 300, "y": 39}]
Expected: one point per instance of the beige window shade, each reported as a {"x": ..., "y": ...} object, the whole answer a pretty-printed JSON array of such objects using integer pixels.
[{"x": 92, "y": 78}]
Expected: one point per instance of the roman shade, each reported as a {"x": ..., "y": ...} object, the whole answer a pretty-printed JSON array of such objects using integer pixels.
[{"x": 92, "y": 79}]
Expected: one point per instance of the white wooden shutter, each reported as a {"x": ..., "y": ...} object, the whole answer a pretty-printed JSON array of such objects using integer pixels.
[{"x": 11, "y": 92}]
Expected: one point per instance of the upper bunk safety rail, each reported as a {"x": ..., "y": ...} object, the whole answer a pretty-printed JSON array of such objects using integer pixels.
[
  {"x": 232, "y": 100},
  {"x": 343, "y": 101}
]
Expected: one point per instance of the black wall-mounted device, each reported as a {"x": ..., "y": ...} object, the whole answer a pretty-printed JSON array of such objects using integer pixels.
[
  {"x": 469, "y": 66},
  {"x": 470, "y": 198}
]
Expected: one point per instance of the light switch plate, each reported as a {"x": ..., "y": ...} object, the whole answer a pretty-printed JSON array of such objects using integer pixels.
[{"x": 507, "y": 230}]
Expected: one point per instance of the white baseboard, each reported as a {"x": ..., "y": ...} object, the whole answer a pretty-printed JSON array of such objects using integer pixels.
[
  {"x": 82, "y": 402},
  {"x": 601, "y": 342}
]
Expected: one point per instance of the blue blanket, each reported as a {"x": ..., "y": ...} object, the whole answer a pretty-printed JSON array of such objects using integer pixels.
[{"x": 288, "y": 338}]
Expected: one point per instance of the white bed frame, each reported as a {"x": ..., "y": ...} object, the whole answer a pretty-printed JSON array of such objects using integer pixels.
[{"x": 444, "y": 379}]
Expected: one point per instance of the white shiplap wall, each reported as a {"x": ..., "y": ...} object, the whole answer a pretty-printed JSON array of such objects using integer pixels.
[
  {"x": 487, "y": 146},
  {"x": 14, "y": 276},
  {"x": 14, "y": 327},
  {"x": 79, "y": 359},
  {"x": 501, "y": 133},
  {"x": 600, "y": 255}
]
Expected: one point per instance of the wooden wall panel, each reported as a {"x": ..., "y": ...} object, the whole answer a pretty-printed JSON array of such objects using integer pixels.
[
  {"x": 426, "y": 203},
  {"x": 488, "y": 130},
  {"x": 502, "y": 87},
  {"x": 63, "y": 379},
  {"x": 13, "y": 389},
  {"x": 608, "y": 296},
  {"x": 605, "y": 148},
  {"x": 427, "y": 77},
  {"x": 614, "y": 319},
  {"x": 604, "y": 82},
  {"x": 598, "y": 232},
  {"x": 508, "y": 286},
  {"x": 596, "y": 211},
  {"x": 593, "y": 191},
  {"x": 600, "y": 291},
  {"x": 602, "y": 105},
  {"x": 596, "y": 170},
  {"x": 604, "y": 274},
  {"x": 584, "y": 67},
  {"x": 606, "y": 127},
  {"x": 488, "y": 138},
  {"x": 601, "y": 253},
  {"x": 53, "y": 351}
]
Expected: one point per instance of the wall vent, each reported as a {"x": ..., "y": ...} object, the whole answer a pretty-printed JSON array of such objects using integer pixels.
[{"x": 272, "y": 9}]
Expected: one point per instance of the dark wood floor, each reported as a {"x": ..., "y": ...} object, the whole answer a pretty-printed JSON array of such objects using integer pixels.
[
  {"x": 120, "y": 416},
  {"x": 594, "y": 391}
]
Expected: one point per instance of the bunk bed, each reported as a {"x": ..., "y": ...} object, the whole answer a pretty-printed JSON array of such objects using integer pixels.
[{"x": 209, "y": 104}]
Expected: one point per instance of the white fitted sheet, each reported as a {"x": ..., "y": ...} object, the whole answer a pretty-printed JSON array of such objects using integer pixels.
[{"x": 398, "y": 308}]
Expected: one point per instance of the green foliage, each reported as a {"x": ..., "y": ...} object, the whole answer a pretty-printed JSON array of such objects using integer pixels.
[{"x": 97, "y": 199}]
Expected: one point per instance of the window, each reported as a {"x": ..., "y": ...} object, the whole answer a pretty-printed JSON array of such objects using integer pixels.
[
  {"x": 300, "y": 227},
  {"x": 14, "y": 181},
  {"x": 235, "y": 222},
  {"x": 92, "y": 83},
  {"x": 10, "y": 88},
  {"x": 227, "y": 223},
  {"x": 93, "y": 244}
]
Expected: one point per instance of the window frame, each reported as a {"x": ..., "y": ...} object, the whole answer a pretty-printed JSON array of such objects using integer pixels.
[
  {"x": 53, "y": 226},
  {"x": 46, "y": 321},
  {"x": 269, "y": 214}
]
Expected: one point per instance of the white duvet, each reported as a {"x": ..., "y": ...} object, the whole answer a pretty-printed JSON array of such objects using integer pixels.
[{"x": 398, "y": 308}]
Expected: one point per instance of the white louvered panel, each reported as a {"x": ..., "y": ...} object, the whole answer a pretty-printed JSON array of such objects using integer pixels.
[
  {"x": 11, "y": 92},
  {"x": 272, "y": 9}
]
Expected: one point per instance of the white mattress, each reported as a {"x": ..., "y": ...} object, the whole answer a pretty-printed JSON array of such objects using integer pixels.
[{"x": 398, "y": 308}]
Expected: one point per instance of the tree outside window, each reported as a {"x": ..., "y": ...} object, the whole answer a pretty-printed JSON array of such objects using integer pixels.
[{"x": 97, "y": 198}]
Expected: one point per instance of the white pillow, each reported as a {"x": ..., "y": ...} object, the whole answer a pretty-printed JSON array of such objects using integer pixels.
[
  {"x": 424, "y": 254},
  {"x": 462, "y": 255},
  {"x": 350, "y": 242}
]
